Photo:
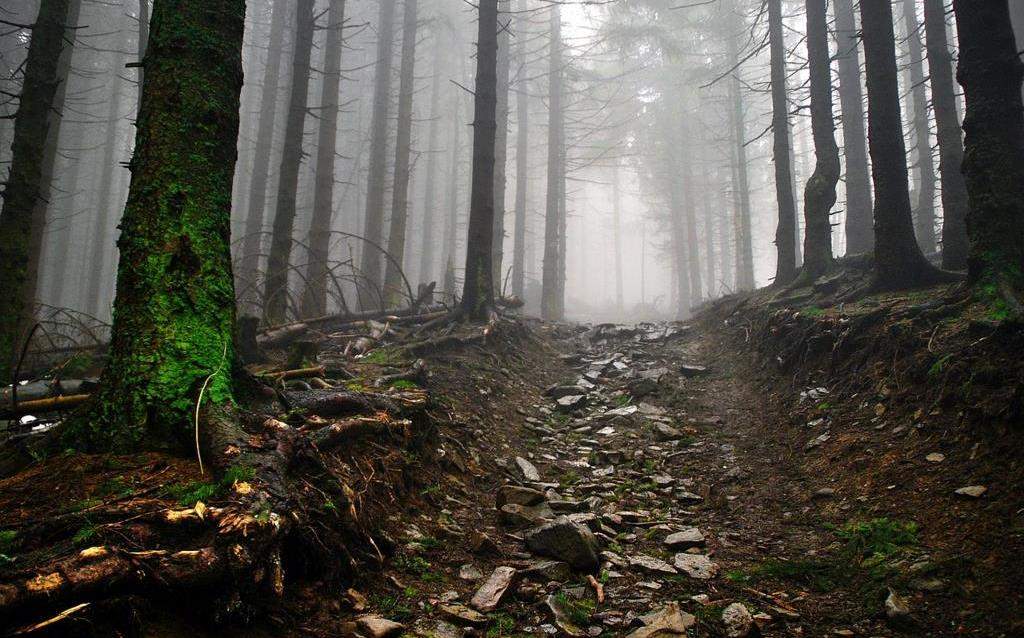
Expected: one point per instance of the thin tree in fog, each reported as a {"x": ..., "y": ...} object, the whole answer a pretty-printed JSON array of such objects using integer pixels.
[
  {"x": 924, "y": 164},
  {"x": 820, "y": 191},
  {"x": 859, "y": 236},
  {"x": 551, "y": 303},
  {"x": 478, "y": 286},
  {"x": 947, "y": 126},
  {"x": 314, "y": 297},
  {"x": 373, "y": 224},
  {"x": 501, "y": 157},
  {"x": 429, "y": 235},
  {"x": 24, "y": 181},
  {"x": 252, "y": 241},
  {"x": 276, "y": 295},
  {"x": 741, "y": 184},
  {"x": 785, "y": 234},
  {"x": 403, "y": 149},
  {"x": 522, "y": 91}
]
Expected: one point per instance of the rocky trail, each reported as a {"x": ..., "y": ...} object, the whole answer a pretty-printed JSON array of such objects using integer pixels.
[{"x": 635, "y": 482}]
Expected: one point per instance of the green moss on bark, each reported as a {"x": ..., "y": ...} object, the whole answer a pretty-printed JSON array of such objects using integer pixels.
[{"x": 174, "y": 313}]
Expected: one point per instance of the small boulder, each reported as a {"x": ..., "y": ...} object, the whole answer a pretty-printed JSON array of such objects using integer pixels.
[
  {"x": 685, "y": 539},
  {"x": 571, "y": 402},
  {"x": 651, "y": 564},
  {"x": 522, "y": 515},
  {"x": 528, "y": 469},
  {"x": 379, "y": 627},
  {"x": 737, "y": 620},
  {"x": 669, "y": 621},
  {"x": 565, "y": 540},
  {"x": 490, "y": 595},
  {"x": 972, "y": 491},
  {"x": 518, "y": 495},
  {"x": 696, "y": 566}
]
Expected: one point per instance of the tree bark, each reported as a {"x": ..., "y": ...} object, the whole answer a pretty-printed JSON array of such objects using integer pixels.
[
  {"x": 393, "y": 287},
  {"x": 820, "y": 192},
  {"x": 174, "y": 313},
  {"x": 617, "y": 234},
  {"x": 550, "y": 302},
  {"x": 275, "y": 293},
  {"x": 314, "y": 298},
  {"x": 990, "y": 72},
  {"x": 924, "y": 220},
  {"x": 373, "y": 225},
  {"x": 859, "y": 236},
  {"x": 785, "y": 233},
  {"x": 898, "y": 259},
  {"x": 143, "y": 42},
  {"x": 500, "y": 162},
  {"x": 478, "y": 287},
  {"x": 252, "y": 240},
  {"x": 24, "y": 182},
  {"x": 947, "y": 125}
]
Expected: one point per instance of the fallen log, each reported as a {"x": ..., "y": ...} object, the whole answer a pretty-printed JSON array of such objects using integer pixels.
[
  {"x": 275, "y": 336},
  {"x": 41, "y": 406}
]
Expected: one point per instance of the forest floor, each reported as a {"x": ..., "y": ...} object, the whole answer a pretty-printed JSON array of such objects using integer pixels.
[{"x": 698, "y": 483}]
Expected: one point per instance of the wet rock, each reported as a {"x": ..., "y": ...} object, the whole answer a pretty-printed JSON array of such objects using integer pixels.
[
  {"x": 462, "y": 615},
  {"x": 972, "y": 491},
  {"x": 378, "y": 627},
  {"x": 518, "y": 495},
  {"x": 669, "y": 621},
  {"x": 470, "y": 572},
  {"x": 559, "y": 391},
  {"x": 664, "y": 432},
  {"x": 571, "y": 402},
  {"x": 696, "y": 566},
  {"x": 522, "y": 515},
  {"x": 548, "y": 570},
  {"x": 737, "y": 620},
  {"x": 935, "y": 457},
  {"x": 528, "y": 469},
  {"x": 563, "y": 616},
  {"x": 565, "y": 540},
  {"x": 685, "y": 539},
  {"x": 651, "y": 564},
  {"x": 489, "y": 596},
  {"x": 689, "y": 370}
]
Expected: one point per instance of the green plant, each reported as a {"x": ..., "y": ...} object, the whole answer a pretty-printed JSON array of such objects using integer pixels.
[
  {"x": 813, "y": 312},
  {"x": 939, "y": 366},
  {"x": 8, "y": 540},
  {"x": 404, "y": 384},
  {"x": 384, "y": 357},
  {"x": 501, "y": 625},
  {"x": 188, "y": 494},
  {"x": 84, "y": 535},
  {"x": 577, "y": 610},
  {"x": 878, "y": 538}
]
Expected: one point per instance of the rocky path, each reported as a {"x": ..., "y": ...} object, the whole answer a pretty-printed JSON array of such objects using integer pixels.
[{"x": 640, "y": 496}]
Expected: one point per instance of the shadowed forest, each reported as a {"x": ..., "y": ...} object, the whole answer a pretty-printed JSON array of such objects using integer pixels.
[{"x": 492, "y": 318}]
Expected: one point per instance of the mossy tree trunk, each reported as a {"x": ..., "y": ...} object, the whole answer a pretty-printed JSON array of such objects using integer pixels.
[
  {"x": 951, "y": 147},
  {"x": 478, "y": 288},
  {"x": 899, "y": 262},
  {"x": 25, "y": 180},
  {"x": 174, "y": 312},
  {"x": 820, "y": 192},
  {"x": 990, "y": 72}
]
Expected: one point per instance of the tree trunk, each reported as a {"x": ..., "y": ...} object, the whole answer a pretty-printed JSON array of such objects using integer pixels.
[
  {"x": 898, "y": 259},
  {"x": 252, "y": 240},
  {"x": 785, "y": 233},
  {"x": 500, "y": 163},
  {"x": 373, "y": 225},
  {"x": 393, "y": 287},
  {"x": 550, "y": 303},
  {"x": 314, "y": 297},
  {"x": 141, "y": 48},
  {"x": 859, "y": 236},
  {"x": 174, "y": 314},
  {"x": 24, "y": 181},
  {"x": 428, "y": 269},
  {"x": 1017, "y": 21},
  {"x": 522, "y": 168},
  {"x": 452, "y": 219},
  {"x": 478, "y": 288},
  {"x": 820, "y": 192},
  {"x": 990, "y": 72},
  {"x": 924, "y": 220},
  {"x": 62, "y": 243},
  {"x": 709, "y": 231},
  {"x": 275, "y": 294},
  {"x": 744, "y": 241},
  {"x": 951, "y": 150}
]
